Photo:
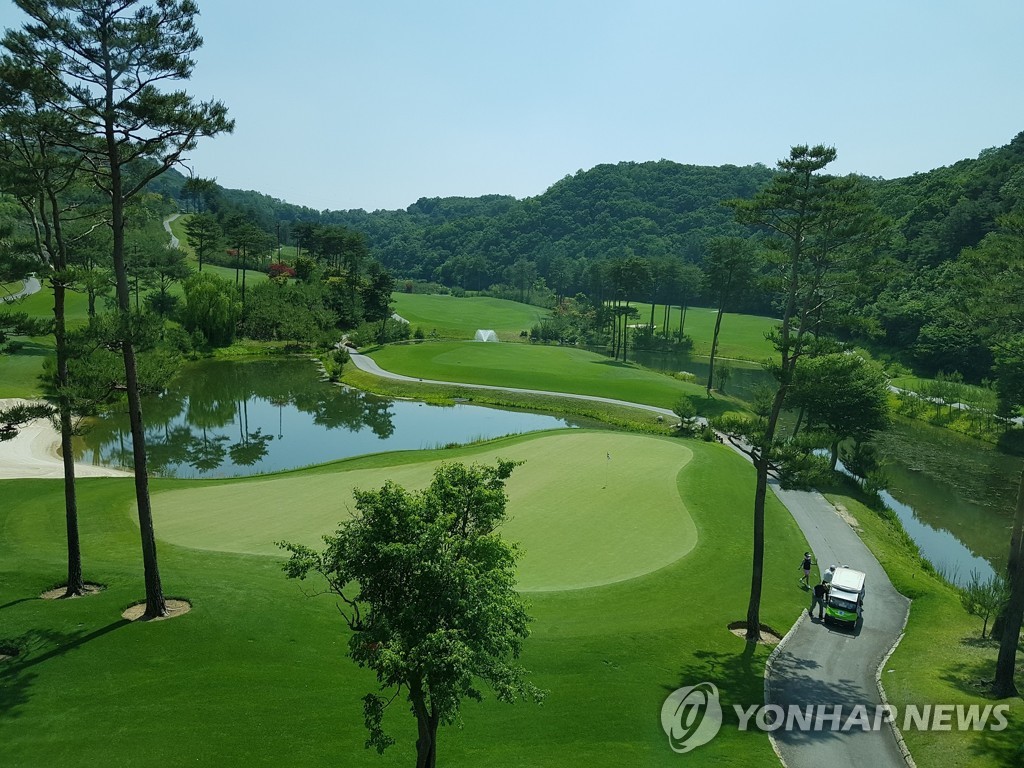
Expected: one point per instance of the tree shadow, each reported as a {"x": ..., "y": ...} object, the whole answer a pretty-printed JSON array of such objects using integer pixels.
[
  {"x": 738, "y": 676},
  {"x": 1002, "y": 748},
  {"x": 795, "y": 683},
  {"x": 15, "y": 602},
  {"x": 35, "y": 647}
]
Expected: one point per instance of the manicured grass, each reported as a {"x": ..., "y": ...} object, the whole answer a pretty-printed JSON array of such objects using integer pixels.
[
  {"x": 941, "y": 659},
  {"x": 256, "y": 672},
  {"x": 7, "y": 289},
  {"x": 20, "y": 371},
  {"x": 569, "y": 508},
  {"x": 741, "y": 337},
  {"x": 555, "y": 369},
  {"x": 461, "y": 318}
]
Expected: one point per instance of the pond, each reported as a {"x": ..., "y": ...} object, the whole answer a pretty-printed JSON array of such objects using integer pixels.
[
  {"x": 955, "y": 496},
  {"x": 228, "y": 419}
]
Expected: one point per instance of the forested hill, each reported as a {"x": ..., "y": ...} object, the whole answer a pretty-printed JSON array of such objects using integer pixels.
[
  {"x": 652, "y": 209},
  {"x": 656, "y": 209},
  {"x": 665, "y": 209}
]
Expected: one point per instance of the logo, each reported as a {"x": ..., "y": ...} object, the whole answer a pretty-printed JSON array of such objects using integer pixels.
[{"x": 691, "y": 716}]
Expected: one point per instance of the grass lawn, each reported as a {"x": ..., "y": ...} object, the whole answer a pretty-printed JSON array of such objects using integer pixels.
[
  {"x": 19, "y": 372},
  {"x": 256, "y": 671},
  {"x": 461, "y": 318},
  {"x": 941, "y": 659},
  {"x": 556, "y": 369},
  {"x": 8, "y": 289},
  {"x": 741, "y": 337}
]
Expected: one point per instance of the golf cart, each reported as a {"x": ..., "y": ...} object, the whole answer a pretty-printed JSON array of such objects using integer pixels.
[{"x": 845, "y": 600}]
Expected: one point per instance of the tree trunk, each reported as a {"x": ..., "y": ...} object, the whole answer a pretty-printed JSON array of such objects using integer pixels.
[
  {"x": 75, "y": 584},
  {"x": 625, "y": 331},
  {"x": 714, "y": 348},
  {"x": 1006, "y": 663},
  {"x": 760, "y": 494},
  {"x": 426, "y": 726},
  {"x": 155, "y": 605},
  {"x": 1013, "y": 559},
  {"x": 1008, "y": 623}
]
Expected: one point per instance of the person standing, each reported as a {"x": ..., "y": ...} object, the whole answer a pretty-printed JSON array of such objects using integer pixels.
[
  {"x": 818, "y": 599},
  {"x": 805, "y": 565}
]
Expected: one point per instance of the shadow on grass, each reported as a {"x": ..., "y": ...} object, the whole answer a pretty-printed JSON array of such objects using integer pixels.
[
  {"x": 27, "y": 348},
  {"x": 15, "y": 602},
  {"x": 738, "y": 676},
  {"x": 36, "y": 647},
  {"x": 1002, "y": 748}
]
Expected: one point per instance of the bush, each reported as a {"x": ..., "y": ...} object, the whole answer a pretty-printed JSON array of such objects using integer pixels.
[
  {"x": 687, "y": 413},
  {"x": 278, "y": 270}
]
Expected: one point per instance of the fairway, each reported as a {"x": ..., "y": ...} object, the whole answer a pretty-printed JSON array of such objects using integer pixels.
[
  {"x": 461, "y": 318},
  {"x": 587, "y": 508}
]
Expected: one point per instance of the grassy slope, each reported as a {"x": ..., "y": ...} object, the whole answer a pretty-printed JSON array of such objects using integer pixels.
[
  {"x": 19, "y": 373},
  {"x": 941, "y": 658},
  {"x": 741, "y": 337},
  {"x": 256, "y": 671},
  {"x": 461, "y": 318},
  {"x": 555, "y": 369}
]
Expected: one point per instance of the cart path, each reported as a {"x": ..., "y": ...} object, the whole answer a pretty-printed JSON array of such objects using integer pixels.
[
  {"x": 30, "y": 285},
  {"x": 817, "y": 664},
  {"x": 369, "y": 365},
  {"x": 822, "y": 664}
]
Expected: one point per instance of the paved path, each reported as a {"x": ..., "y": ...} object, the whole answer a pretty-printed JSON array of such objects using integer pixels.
[
  {"x": 167, "y": 228},
  {"x": 822, "y": 664},
  {"x": 31, "y": 285},
  {"x": 818, "y": 664},
  {"x": 364, "y": 363}
]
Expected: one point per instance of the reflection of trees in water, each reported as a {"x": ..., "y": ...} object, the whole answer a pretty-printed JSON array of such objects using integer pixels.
[
  {"x": 348, "y": 409},
  {"x": 189, "y": 424}
]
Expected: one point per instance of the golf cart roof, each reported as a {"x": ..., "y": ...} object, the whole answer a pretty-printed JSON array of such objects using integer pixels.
[{"x": 848, "y": 580}]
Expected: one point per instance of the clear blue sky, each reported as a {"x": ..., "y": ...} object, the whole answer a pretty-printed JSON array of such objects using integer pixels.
[{"x": 373, "y": 104}]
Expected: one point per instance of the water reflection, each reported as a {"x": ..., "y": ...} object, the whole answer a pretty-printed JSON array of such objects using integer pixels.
[{"x": 226, "y": 419}]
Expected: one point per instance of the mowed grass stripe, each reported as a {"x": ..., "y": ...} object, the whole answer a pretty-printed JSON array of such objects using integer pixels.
[
  {"x": 553, "y": 369},
  {"x": 587, "y": 508}
]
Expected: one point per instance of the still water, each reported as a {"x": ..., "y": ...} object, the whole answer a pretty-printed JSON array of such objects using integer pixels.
[
  {"x": 954, "y": 496},
  {"x": 228, "y": 419},
  {"x": 218, "y": 419}
]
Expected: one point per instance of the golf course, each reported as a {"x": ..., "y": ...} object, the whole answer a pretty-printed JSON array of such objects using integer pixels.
[
  {"x": 619, "y": 557},
  {"x": 634, "y": 562}
]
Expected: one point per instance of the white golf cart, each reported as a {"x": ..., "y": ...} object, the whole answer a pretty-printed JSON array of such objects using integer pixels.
[{"x": 845, "y": 601}]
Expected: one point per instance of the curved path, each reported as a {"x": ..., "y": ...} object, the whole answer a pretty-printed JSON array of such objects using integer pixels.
[
  {"x": 31, "y": 285},
  {"x": 167, "y": 228},
  {"x": 369, "y": 365},
  {"x": 816, "y": 664}
]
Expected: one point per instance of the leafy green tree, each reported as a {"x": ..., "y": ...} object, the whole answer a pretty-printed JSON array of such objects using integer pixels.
[
  {"x": 106, "y": 61},
  {"x": 728, "y": 270},
  {"x": 204, "y": 235},
  {"x": 984, "y": 598},
  {"x": 993, "y": 275},
  {"x": 843, "y": 394},
  {"x": 823, "y": 232},
  {"x": 211, "y": 308},
  {"x": 427, "y": 588},
  {"x": 376, "y": 297},
  {"x": 43, "y": 178}
]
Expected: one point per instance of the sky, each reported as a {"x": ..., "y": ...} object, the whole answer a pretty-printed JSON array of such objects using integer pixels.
[{"x": 374, "y": 104}]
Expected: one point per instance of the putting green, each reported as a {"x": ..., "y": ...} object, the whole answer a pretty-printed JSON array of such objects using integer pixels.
[{"x": 587, "y": 508}]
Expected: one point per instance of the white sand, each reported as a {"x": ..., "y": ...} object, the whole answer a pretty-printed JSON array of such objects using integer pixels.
[{"x": 35, "y": 452}]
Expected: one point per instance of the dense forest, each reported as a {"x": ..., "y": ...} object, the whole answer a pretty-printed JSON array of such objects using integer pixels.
[{"x": 664, "y": 211}]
